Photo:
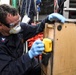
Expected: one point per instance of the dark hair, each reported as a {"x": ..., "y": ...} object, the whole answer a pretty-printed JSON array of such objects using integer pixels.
[{"x": 4, "y": 10}]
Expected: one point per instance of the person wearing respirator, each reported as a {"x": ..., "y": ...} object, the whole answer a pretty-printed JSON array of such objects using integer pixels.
[{"x": 12, "y": 32}]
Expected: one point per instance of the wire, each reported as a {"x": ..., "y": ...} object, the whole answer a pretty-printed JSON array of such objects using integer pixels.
[{"x": 39, "y": 64}]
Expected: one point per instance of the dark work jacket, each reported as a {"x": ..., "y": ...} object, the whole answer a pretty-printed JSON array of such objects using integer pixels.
[{"x": 12, "y": 60}]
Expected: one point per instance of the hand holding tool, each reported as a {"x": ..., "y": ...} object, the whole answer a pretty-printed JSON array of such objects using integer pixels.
[{"x": 36, "y": 49}]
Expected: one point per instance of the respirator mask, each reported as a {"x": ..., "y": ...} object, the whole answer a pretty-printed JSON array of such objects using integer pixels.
[{"x": 16, "y": 29}]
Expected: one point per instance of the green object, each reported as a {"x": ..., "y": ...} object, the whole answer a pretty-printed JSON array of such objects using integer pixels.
[{"x": 14, "y": 3}]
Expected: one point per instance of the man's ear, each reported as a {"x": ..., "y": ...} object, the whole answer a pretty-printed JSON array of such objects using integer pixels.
[
  {"x": 8, "y": 15},
  {"x": 8, "y": 18}
]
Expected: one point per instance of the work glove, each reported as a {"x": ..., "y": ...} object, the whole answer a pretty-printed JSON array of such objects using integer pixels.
[
  {"x": 36, "y": 49},
  {"x": 57, "y": 17}
]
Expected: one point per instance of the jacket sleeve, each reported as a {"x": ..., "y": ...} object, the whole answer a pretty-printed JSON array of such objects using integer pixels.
[
  {"x": 10, "y": 66},
  {"x": 30, "y": 30}
]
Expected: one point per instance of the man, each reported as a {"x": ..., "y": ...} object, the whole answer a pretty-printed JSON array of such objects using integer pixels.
[{"x": 12, "y": 35}]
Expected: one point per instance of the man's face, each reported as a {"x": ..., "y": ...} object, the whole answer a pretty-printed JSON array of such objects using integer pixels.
[{"x": 14, "y": 20}]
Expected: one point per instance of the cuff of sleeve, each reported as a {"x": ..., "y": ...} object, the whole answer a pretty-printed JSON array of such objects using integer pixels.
[
  {"x": 29, "y": 54},
  {"x": 46, "y": 21},
  {"x": 32, "y": 61}
]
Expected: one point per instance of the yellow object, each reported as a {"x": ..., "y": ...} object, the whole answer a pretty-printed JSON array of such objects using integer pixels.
[{"x": 48, "y": 44}]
